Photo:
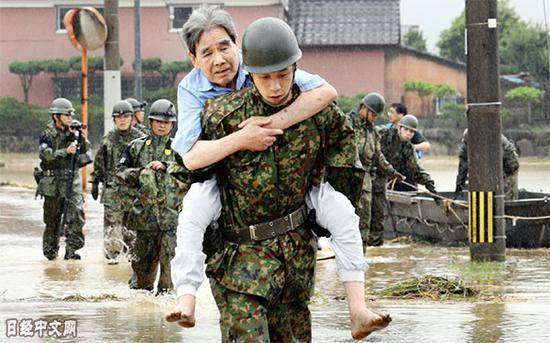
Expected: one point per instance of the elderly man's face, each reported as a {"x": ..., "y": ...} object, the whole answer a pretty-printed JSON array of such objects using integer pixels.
[{"x": 217, "y": 56}]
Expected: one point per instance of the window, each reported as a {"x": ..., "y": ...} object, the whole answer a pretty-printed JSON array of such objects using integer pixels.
[
  {"x": 62, "y": 10},
  {"x": 446, "y": 102},
  {"x": 180, "y": 14}
]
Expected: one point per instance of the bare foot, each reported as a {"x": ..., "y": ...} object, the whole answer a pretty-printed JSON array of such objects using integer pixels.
[
  {"x": 365, "y": 322},
  {"x": 184, "y": 312}
]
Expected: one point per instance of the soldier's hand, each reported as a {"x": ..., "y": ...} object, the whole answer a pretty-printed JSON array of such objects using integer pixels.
[
  {"x": 184, "y": 311},
  {"x": 157, "y": 165},
  {"x": 398, "y": 177},
  {"x": 258, "y": 121},
  {"x": 256, "y": 138},
  {"x": 95, "y": 190},
  {"x": 71, "y": 149}
]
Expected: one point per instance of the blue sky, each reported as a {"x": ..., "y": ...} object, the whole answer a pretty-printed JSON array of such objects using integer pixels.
[{"x": 433, "y": 16}]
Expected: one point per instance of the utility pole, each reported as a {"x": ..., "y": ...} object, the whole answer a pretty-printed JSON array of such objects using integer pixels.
[
  {"x": 111, "y": 75},
  {"x": 486, "y": 192},
  {"x": 137, "y": 51}
]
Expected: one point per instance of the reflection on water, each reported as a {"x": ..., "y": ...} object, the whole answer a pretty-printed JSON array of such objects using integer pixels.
[{"x": 33, "y": 287}]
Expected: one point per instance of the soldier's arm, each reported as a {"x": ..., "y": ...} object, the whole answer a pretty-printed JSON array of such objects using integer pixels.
[
  {"x": 510, "y": 159},
  {"x": 419, "y": 173},
  {"x": 127, "y": 171},
  {"x": 98, "y": 175},
  {"x": 462, "y": 175},
  {"x": 383, "y": 167},
  {"x": 46, "y": 152}
]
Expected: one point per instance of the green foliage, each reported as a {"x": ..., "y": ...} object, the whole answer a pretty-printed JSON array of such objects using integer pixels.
[
  {"x": 150, "y": 65},
  {"x": 444, "y": 90},
  {"x": 347, "y": 103},
  {"x": 56, "y": 66},
  {"x": 454, "y": 111},
  {"x": 94, "y": 64},
  {"x": 22, "y": 119},
  {"x": 168, "y": 93},
  {"x": 423, "y": 89},
  {"x": 26, "y": 71},
  {"x": 525, "y": 94},
  {"x": 170, "y": 70},
  {"x": 415, "y": 39}
]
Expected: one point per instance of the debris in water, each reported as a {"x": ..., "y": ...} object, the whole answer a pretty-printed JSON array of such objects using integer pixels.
[
  {"x": 93, "y": 298},
  {"x": 429, "y": 286},
  {"x": 403, "y": 240}
]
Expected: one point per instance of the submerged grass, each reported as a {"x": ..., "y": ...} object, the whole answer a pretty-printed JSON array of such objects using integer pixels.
[
  {"x": 93, "y": 298},
  {"x": 478, "y": 273},
  {"x": 430, "y": 286},
  {"x": 15, "y": 184}
]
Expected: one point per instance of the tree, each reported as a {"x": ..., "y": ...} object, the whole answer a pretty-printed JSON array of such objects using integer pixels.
[
  {"x": 171, "y": 70},
  {"x": 427, "y": 91},
  {"x": 415, "y": 39},
  {"x": 150, "y": 65},
  {"x": 451, "y": 40},
  {"x": 56, "y": 66},
  {"x": 26, "y": 72},
  {"x": 528, "y": 95}
]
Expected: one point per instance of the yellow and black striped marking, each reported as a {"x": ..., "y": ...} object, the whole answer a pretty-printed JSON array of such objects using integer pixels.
[{"x": 480, "y": 223}]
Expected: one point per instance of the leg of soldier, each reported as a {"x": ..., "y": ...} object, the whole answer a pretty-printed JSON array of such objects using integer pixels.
[
  {"x": 129, "y": 236},
  {"x": 113, "y": 243},
  {"x": 511, "y": 187},
  {"x": 376, "y": 235},
  {"x": 363, "y": 210},
  {"x": 167, "y": 252},
  {"x": 145, "y": 264},
  {"x": 243, "y": 317},
  {"x": 289, "y": 322},
  {"x": 74, "y": 238},
  {"x": 50, "y": 240}
]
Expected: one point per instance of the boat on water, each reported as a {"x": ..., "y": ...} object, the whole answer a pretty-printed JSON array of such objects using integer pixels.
[{"x": 417, "y": 215}]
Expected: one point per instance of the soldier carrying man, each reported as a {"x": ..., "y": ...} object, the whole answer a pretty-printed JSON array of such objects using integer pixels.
[
  {"x": 116, "y": 197},
  {"x": 58, "y": 143},
  {"x": 154, "y": 214}
]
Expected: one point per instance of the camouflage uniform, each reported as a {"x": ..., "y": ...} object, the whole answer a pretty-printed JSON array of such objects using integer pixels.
[
  {"x": 263, "y": 288},
  {"x": 142, "y": 128},
  {"x": 55, "y": 162},
  {"x": 372, "y": 159},
  {"x": 510, "y": 164},
  {"x": 116, "y": 197},
  {"x": 154, "y": 214},
  {"x": 402, "y": 157}
]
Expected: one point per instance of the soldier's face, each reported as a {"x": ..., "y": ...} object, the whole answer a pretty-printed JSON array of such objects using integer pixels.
[
  {"x": 160, "y": 127},
  {"x": 123, "y": 122},
  {"x": 371, "y": 116},
  {"x": 138, "y": 115},
  {"x": 394, "y": 116},
  {"x": 405, "y": 134},
  {"x": 275, "y": 87},
  {"x": 217, "y": 57},
  {"x": 63, "y": 120}
]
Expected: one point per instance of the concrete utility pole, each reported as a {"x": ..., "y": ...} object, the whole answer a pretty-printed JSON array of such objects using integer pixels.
[
  {"x": 486, "y": 191},
  {"x": 137, "y": 51},
  {"x": 111, "y": 75}
]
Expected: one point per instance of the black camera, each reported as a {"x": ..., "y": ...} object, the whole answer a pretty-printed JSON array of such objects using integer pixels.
[{"x": 76, "y": 126}]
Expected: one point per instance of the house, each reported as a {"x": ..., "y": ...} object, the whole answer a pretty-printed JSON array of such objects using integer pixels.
[{"x": 354, "y": 44}]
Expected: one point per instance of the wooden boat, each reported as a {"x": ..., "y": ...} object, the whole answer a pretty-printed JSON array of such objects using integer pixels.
[{"x": 417, "y": 215}]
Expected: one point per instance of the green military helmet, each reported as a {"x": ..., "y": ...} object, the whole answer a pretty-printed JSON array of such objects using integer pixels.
[
  {"x": 163, "y": 110},
  {"x": 122, "y": 107},
  {"x": 136, "y": 105},
  {"x": 409, "y": 121},
  {"x": 61, "y": 106},
  {"x": 269, "y": 45},
  {"x": 375, "y": 102}
]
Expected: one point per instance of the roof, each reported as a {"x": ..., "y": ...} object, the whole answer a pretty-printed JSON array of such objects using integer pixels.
[{"x": 345, "y": 22}]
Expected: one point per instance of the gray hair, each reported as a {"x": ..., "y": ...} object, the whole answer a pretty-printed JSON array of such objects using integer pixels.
[{"x": 203, "y": 19}]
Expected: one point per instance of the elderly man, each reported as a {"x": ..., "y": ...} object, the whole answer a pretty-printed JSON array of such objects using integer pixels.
[{"x": 263, "y": 294}]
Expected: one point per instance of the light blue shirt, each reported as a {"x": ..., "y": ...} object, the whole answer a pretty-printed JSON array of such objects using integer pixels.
[{"x": 195, "y": 89}]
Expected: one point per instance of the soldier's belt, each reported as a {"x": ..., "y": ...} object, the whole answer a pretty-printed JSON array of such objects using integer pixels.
[
  {"x": 57, "y": 172},
  {"x": 267, "y": 230}
]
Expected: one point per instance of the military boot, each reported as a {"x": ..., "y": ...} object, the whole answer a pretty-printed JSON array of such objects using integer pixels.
[{"x": 71, "y": 255}]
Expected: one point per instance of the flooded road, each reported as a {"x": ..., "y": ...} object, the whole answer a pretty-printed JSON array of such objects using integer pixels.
[{"x": 515, "y": 306}]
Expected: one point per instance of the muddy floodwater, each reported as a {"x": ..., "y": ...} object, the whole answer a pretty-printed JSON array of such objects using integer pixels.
[{"x": 94, "y": 297}]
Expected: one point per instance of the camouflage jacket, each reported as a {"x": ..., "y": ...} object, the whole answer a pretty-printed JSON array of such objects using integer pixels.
[
  {"x": 105, "y": 163},
  {"x": 159, "y": 194},
  {"x": 510, "y": 161},
  {"x": 55, "y": 162},
  {"x": 144, "y": 129},
  {"x": 370, "y": 151},
  {"x": 261, "y": 186},
  {"x": 402, "y": 157}
]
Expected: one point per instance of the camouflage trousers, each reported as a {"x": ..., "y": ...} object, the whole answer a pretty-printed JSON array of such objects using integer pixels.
[
  {"x": 263, "y": 289},
  {"x": 117, "y": 238},
  {"x": 249, "y": 318},
  {"x": 364, "y": 213},
  {"x": 376, "y": 234},
  {"x": 153, "y": 249},
  {"x": 74, "y": 238},
  {"x": 511, "y": 187}
]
